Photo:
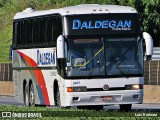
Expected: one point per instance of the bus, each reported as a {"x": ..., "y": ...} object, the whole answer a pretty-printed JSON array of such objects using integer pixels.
[{"x": 88, "y": 56}]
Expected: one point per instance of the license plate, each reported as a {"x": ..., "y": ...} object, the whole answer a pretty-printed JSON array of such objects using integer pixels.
[{"x": 106, "y": 98}]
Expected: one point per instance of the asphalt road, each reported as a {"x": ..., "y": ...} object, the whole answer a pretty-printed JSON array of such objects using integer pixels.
[{"x": 6, "y": 100}]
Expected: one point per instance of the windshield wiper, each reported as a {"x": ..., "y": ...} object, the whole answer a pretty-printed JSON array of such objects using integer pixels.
[
  {"x": 117, "y": 63},
  {"x": 121, "y": 67},
  {"x": 97, "y": 64},
  {"x": 93, "y": 69}
]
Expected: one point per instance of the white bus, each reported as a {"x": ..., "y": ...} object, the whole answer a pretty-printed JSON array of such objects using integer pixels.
[{"x": 87, "y": 56}]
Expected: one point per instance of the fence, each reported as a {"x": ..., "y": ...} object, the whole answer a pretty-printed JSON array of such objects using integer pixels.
[
  {"x": 5, "y": 72},
  {"x": 152, "y": 68},
  {"x": 6, "y": 81},
  {"x": 156, "y": 54},
  {"x": 152, "y": 78},
  {"x": 152, "y": 72}
]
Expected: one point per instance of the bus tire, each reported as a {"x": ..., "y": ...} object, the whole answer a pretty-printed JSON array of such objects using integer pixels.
[
  {"x": 125, "y": 107},
  {"x": 31, "y": 96},
  {"x": 57, "y": 98},
  {"x": 26, "y": 97}
]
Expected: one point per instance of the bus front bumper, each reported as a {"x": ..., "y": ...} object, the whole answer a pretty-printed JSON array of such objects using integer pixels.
[{"x": 104, "y": 98}]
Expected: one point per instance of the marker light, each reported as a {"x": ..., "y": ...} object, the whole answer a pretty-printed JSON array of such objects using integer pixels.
[{"x": 69, "y": 89}]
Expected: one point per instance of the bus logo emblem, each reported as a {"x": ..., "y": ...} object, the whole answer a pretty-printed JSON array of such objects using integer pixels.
[{"x": 106, "y": 87}]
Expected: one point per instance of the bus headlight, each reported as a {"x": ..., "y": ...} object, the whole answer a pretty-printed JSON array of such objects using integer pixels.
[
  {"x": 133, "y": 87},
  {"x": 77, "y": 89}
]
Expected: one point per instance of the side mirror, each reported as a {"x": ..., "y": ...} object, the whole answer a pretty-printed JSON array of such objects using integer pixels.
[
  {"x": 60, "y": 47},
  {"x": 149, "y": 45}
]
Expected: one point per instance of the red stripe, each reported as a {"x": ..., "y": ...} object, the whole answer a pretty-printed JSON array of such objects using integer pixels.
[{"x": 39, "y": 76}]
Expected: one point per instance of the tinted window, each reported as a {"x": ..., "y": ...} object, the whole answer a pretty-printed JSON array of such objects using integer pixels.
[{"x": 37, "y": 32}]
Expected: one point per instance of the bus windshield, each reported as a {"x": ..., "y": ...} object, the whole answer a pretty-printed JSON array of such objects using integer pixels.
[
  {"x": 123, "y": 57},
  {"x": 104, "y": 57}
]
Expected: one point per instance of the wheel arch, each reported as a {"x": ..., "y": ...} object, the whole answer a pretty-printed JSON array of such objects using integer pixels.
[
  {"x": 30, "y": 82},
  {"x": 55, "y": 86},
  {"x": 24, "y": 88}
]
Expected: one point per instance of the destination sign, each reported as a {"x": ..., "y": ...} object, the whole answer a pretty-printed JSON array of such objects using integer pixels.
[
  {"x": 105, "y": 24},
  {"x": 102, "y": 24}
]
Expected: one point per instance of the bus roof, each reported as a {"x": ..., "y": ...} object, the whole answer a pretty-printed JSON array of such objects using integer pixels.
[{"x": 77, "y": 10}]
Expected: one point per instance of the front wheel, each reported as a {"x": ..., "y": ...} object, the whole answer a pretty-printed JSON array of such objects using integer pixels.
[
  {"x": 125, "y": 107},
  {"x": 57, "y": 98}
]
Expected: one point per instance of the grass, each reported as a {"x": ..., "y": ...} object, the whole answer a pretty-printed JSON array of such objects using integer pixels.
[
  {"x": 76, "y": 114},
  {"x": 5, "y": 42}
]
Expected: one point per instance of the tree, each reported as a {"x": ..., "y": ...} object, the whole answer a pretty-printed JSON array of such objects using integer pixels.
[{"x": 151, "y": 19}]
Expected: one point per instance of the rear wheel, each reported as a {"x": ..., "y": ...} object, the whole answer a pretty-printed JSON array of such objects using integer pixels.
[
  {"x": 57, "y": 98},
  {"x": 31, "y": 96},
  {"x": 26, "y": 98},
  {"x": 125, "y": 107}
]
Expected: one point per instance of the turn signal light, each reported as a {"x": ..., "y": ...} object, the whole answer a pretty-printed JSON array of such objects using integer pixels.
[{"x": 69, "y": 89}]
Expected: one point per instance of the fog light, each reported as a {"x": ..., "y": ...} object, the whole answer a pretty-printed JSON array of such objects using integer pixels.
[
  {"x": 75, "y": 98},
  {"x": 135, "y": 96}
]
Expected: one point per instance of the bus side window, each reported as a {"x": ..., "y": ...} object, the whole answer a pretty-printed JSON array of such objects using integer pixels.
[
  {"x": 59, "y": 27},
  {"x": 46, "y": 30},
  {"x": 35, "y": 33},
  {"x": 53, "y": 28},
  {"x": 20, "y": 34},
  {"x": 26, "y": 32},
  {"x": 56, "y": 28},
  {"x": 30, "y": 31},
  {"x": 15, "y": 35},
  {"x": 49, "y": 31},
  {"x": 40, "y": 32}
]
